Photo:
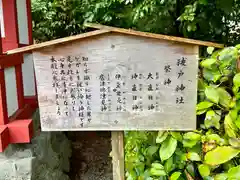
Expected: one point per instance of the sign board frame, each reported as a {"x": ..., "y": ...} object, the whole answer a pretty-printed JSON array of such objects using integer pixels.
[
  {"x": 105, "y": 30},
  {"x": 144, "y": 83}
]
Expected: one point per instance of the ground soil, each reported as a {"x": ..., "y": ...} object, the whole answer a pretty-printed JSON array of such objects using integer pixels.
[{"x": 90, "y": 156}]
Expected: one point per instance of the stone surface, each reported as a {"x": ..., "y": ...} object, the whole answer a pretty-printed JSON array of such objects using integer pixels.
[{"x": 47, "y": 157}]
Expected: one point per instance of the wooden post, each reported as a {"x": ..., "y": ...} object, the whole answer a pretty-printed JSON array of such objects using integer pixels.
[
  {"x": 19, "y": 85},
  {"x": 3, "y": 100},
  {"x": 118, "y": 155}
]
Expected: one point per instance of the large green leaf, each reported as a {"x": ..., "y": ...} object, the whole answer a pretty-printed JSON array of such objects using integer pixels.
[
  {"x": 208, "y": 62},
  {"x": 204, "y": 105},
  {"x": 212, "y": 94},
  {"x": 193, "y": 156},
  {"x": 147, "y": 175},
  {"x": 212, "y": 119},
  {"x": 210, "y": 49},
  {"x": 176, "y": 135},
  {"x": 201, "y": 112},
  {"x": 197, "y": 148},
  {"x": 201, "y": 84},
  {"x": 152, "y": 150},
  {"x": 224, "y": 79},
  {"x": 220, "y": 155},
  {"x": 162, "y": 135},
  {"x": 229, "y": 126},
  {"x": 156, "y": 165},
  {"x": 189, "y": 143},
  {"x": 190, "y": 139},
  {"x": 204, "y": 170},
  {"x": 175, "y": 176},
  {"x": 233, "y": 114},
  {"x": 234, "y": 142},
  {"x": 157, "y": 172},
  {"x": 237, "y": 122},
  {"x": 192, "y": 136},
  {"x": 169, "y": 165},
  {"x": 234, "y": 173},
  {"x": 190, "y": 169},
  {"x": 222, "y": 176},
  {"x": 224, "y": 97},
  {"x": 236, "y": 80},
  {"x": 228, "y": 54},
  {"x": 211, "y": 75},
  {"x": 167, "y": 148},
  {"x": 139, "y": 168},
  {"x": 235, "y": 91}
]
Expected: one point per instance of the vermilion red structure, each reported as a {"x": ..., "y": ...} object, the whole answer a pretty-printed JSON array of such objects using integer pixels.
[{"x": 17, "y": 127}]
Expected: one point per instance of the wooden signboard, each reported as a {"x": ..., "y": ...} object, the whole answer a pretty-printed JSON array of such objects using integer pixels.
[{"x": 117, "y": 81}]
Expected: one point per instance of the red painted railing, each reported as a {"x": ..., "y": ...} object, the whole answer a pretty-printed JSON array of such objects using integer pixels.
[{"x": 16, "y": 128}]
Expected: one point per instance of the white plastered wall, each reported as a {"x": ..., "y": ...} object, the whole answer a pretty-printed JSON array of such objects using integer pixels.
[
  {"x": 11, "y": 90},
  {"x": 22, "y": 21},
  {"x": 28, "y": 75}
]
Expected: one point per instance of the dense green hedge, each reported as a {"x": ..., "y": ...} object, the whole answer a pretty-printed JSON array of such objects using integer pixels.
[{"x": 210, "y": 152}]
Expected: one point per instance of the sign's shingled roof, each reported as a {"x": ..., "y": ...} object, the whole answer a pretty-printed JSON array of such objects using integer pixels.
[{"x": 107, "y": 29}]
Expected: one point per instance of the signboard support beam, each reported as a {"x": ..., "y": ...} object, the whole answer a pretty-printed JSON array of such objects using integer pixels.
[{"x": 118, "y": 155}]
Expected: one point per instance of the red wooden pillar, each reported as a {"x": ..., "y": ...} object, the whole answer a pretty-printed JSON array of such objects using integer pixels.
[
  {"x": 19, "y": 85},
  {"x": 11, "y": 39},
  {"x": 3, "y": 100},
  {"x": 4, "y": 133},
  {"x": 29, "y": 14}
]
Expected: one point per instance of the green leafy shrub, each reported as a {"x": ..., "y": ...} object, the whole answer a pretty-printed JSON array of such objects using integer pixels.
[
  {"x": 211, "y": 151},
  {"x": 210, "y": 20}
]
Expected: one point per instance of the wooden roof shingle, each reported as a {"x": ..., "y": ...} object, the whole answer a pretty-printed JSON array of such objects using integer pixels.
[{"x": 102, "y": 29}]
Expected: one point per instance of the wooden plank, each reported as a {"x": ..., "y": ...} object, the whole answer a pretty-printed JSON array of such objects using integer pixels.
[
  {"x": 156, "y": 36},
  {"x": 7, "y": 61},
  {"x": 105, "y": 29},
  {"x": 23, "y": 127},
  {"x": 3, "y": 99},
  {"x": 4, "y": 137},
  {"x": 57, "y": 41},
  {"x": 118, "y": 155},
  {"x": 159, "y": 92},
  {"x": 19, "y": 86}
]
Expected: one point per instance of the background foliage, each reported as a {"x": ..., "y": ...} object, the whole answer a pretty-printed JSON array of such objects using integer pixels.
[
  {"x": 212, "y": 20},
  {"x": 210, "y": 152}
]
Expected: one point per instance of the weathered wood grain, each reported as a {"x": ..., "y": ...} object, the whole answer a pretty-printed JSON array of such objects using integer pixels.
[
  {"x": 108, "y": 29},
  {"x": 56, "y": 42},
  {"x": 116, "y": 53},
  {"x": 156, "y": 36},
  {"x": 118, "y": 155}
]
